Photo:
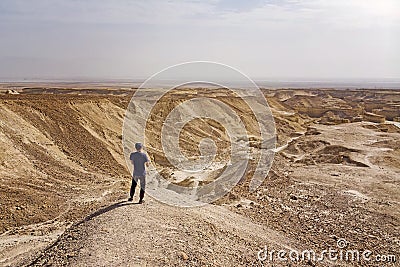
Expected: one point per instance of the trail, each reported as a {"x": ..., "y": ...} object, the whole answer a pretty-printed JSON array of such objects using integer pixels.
[{"x": 154, "y": 234}]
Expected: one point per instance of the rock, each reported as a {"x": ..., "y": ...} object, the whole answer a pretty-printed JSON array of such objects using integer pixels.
[
  {"x": 71, "y": 254},
  {"x": 367, "y": 116},
  {"x": 183, "y": 255},
  {"x": 312, "y": 131},
  {"x": 389, "y": 112},
  {"x": 12, "y": 92}
]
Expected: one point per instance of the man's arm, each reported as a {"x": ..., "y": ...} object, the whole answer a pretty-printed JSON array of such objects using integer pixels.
[{"x": 133, "y": 166}]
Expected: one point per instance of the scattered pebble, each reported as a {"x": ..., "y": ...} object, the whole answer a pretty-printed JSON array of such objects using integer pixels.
[{"x": 183, "y": 255}]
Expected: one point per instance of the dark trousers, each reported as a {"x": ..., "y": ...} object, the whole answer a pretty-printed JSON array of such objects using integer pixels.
[{"x": 142, "y": 180}]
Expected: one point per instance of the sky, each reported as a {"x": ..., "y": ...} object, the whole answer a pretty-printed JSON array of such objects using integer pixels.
[{"x": 265, "y": 39}]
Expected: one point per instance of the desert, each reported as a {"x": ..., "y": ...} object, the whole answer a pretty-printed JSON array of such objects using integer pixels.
[
  {"x": 64, "y": 180},
  {"x": 199, "y": 133}
]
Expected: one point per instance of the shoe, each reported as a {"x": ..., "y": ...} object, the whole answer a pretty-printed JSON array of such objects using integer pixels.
[
  {"x": 141, "y": 201},
  {"x": 130, "y": 199}
]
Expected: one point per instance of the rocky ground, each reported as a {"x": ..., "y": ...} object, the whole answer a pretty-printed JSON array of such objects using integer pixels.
[{"x": 335, "y": 176}]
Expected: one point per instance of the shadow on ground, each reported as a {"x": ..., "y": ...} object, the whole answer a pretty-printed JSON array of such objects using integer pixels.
[{"x": 107, "y": 209}]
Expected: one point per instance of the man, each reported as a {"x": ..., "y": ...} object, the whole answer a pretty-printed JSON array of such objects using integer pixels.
[{"x": 139, "y": 160}]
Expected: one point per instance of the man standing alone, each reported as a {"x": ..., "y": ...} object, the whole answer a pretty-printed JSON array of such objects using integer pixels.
[{"x": 139, "y": 160}]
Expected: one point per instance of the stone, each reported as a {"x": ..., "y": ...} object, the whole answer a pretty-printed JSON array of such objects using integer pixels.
[{"x": 183, "y": 255}]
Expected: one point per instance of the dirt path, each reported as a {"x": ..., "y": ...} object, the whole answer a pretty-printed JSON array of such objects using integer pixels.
[{"x": 154, "y": 234}]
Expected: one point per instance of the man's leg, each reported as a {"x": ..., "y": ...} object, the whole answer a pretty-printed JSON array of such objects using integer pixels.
[
  {"x": 133, "y": 187},
  {"x": 142, "y": 187}
]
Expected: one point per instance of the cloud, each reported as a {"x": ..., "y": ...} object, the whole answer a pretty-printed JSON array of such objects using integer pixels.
[
  {"x": 311, "y": 13},
  {"x": 262, "y": 37},
  {"x": 238, "y": 5},
  {"x": 253, "y": 13},
  {"x": 357, "y": 13},
  {"x": 102, "y": 11}
]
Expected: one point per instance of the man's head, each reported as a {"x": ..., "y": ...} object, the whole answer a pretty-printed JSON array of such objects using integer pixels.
[{"x": 138, "y": 146}]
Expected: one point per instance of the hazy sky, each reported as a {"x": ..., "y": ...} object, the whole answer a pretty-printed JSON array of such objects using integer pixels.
[{"x": 311, "y": 39}]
